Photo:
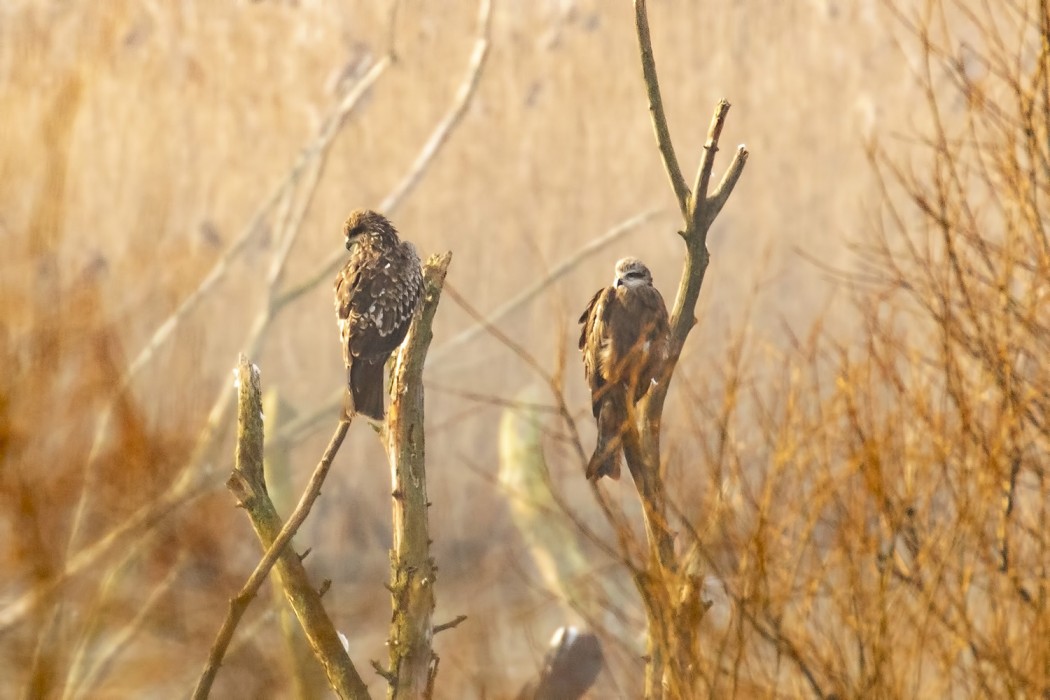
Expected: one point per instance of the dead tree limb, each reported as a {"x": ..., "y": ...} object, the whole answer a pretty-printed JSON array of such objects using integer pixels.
[
  {"x": 249, "y": 486},
  {"x": 413, "y": 663},
  {"x": 664, "y": 587}
]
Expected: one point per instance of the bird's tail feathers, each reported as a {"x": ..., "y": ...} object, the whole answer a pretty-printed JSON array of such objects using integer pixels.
[
  {"x": 605, "y": 462},
  {"x": 612, "y": 418},
  {"x": 364, "y": 389}
]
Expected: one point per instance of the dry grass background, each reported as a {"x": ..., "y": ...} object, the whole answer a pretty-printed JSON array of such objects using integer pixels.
[{"x": 139, "y": 139}]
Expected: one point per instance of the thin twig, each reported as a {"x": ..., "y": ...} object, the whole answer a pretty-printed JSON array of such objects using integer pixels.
[
  {"x": 720, "y": 196},
  {"x": 707, "y": 161},
  {"x": 451, "y": 624},
  {"x": 656, "y": 109}
]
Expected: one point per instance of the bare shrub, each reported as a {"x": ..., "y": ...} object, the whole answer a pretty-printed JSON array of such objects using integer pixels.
[{"x": 883, "y": 501}]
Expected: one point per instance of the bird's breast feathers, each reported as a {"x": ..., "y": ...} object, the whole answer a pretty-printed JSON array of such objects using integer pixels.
[{"x": 626, "y": 325}]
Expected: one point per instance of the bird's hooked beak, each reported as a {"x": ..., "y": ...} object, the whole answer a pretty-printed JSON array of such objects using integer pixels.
[
  {"x": 619, "y": 282},
  {"x": 349, "y": 243}
]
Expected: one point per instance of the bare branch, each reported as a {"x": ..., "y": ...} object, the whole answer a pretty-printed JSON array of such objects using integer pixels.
[
  {"x": 412, "y": 568},
  {"x": 656, "y": 109},
  {"x": 720, "y": 196},
  {"x": 378, "y": 668},
  {"x": 667, "y": 592},
  {"x": 451, "y": 624},
  {"x": 707, "y": 162},
  {"x": 698, "y": 223}
]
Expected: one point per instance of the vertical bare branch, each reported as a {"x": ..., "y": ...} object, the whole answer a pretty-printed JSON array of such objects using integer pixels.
[
  {"x": 707, "y": 161},
  {"x": 413, "y": 663},
  {"x": 669, "y": 594},
  {"x": 656, "y": 109}
]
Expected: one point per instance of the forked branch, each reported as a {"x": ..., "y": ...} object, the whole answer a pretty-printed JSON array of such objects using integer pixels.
[
  {"x": 248, "y": 485},
  {"x": 667, "y": 592}
]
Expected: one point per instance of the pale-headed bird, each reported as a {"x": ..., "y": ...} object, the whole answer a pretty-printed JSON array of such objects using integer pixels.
[{"x": 624, "y": 341}]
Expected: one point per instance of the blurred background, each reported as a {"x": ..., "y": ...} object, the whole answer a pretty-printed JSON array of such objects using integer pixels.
[{"x": 155, "y": 153}]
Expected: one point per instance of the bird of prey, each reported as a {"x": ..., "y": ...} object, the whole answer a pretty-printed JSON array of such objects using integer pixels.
[
  {"x": 376, "y": 294},
  {"x": 624, "y": 341}
]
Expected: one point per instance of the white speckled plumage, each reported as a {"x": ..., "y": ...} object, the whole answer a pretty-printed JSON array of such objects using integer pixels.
[{"x": 376, "y": 295}]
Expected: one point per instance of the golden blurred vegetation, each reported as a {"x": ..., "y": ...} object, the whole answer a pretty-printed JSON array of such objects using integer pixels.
[{"x": 856, "y": 432}]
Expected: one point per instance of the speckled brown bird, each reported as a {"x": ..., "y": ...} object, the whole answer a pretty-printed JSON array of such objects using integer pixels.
[
  {"x": 624, "y": 341},
  {"x": 376, "y": 295}
]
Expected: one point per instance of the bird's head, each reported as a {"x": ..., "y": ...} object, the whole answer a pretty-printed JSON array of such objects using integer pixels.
[
  {"x": 365, "y": 222},
  {"x": 632, "y": 272}
]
